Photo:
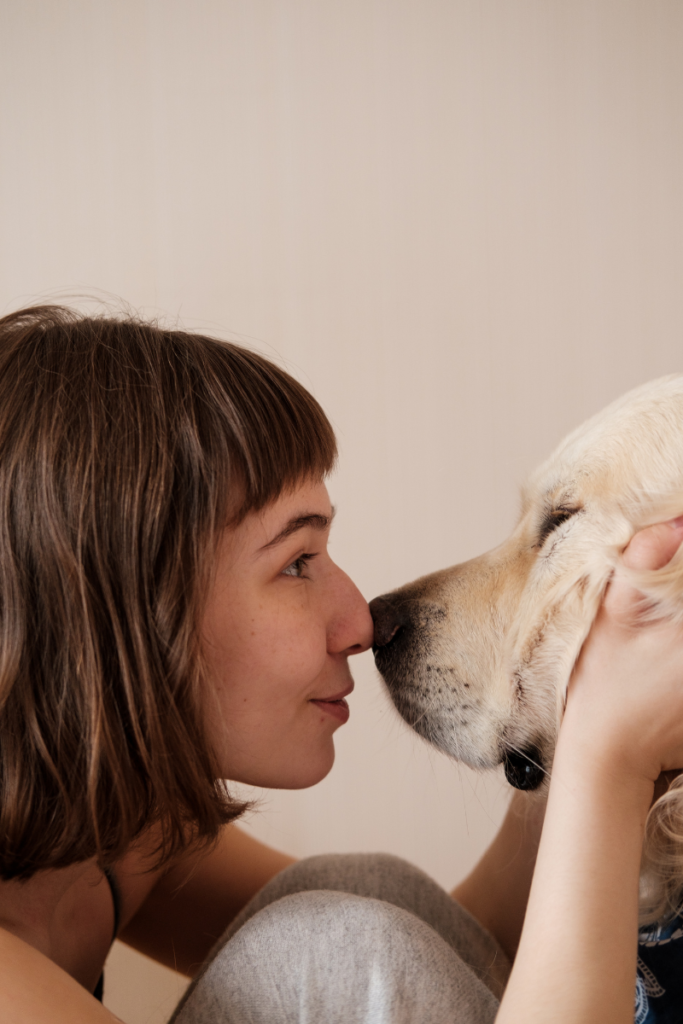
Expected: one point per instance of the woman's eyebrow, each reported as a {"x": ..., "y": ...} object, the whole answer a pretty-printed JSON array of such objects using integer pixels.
[{"x": 316, "y": 520}]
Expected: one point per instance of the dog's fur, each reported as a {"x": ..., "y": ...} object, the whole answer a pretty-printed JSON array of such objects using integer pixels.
[{"x": 477, "y": 657}]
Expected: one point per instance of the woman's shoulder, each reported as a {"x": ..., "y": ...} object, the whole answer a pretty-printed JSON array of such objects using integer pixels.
[
  {"x": 56, "y": 929},
  {"x": 34, "y": 988}
]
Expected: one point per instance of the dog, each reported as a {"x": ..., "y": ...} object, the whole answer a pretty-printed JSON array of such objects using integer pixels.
[{"x": 477, "y": 658}]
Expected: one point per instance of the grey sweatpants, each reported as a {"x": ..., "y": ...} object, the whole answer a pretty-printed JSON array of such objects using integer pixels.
[{"x": 349, "y": 939}]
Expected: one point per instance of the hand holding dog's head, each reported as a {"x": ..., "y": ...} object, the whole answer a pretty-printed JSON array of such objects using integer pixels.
[
  {"x": 625, "y": 699},
  {"x": 478, "y": 657}
]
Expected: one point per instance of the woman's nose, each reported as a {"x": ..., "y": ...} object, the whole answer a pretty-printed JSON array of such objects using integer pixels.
[{"x": 352, "y": 631}]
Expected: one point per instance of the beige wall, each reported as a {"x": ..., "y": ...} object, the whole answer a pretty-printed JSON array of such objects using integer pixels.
[{"x": 460, "y": 222}]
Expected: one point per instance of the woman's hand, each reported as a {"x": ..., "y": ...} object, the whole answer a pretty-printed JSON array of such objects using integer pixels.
[{"x": 625, "y": 701}]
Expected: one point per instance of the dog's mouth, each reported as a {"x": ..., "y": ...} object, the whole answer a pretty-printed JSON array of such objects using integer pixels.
[{"x": 524, "y": 768}]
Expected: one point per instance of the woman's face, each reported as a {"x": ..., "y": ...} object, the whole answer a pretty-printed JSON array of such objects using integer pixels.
[{"x": 280, "y": 623}]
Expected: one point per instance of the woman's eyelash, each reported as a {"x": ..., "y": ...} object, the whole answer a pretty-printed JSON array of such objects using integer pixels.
[{"x": 296, "y": 568}]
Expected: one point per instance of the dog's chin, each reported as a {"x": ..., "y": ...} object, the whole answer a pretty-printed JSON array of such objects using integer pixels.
[
  {"x": 456, "y": 728},
  {"x": 452, "y": 730}
]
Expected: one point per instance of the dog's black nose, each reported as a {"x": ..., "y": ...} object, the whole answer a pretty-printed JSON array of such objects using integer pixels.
[
  {"x": 524, "y": 768},
  {"x": 388, "y": 619}
]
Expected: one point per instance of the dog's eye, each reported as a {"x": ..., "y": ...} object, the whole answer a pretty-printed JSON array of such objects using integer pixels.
[{"x": 554, "y": 518}]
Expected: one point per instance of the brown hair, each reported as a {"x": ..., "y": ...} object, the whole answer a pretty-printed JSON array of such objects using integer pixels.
[{"x": 122, "y": 448}]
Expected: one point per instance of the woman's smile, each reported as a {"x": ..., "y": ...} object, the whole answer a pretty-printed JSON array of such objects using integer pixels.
[{"x": 335, "y": 706}]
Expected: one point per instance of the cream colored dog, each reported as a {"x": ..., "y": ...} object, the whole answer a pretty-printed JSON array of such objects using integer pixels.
[{"x": 477, "y": 657}]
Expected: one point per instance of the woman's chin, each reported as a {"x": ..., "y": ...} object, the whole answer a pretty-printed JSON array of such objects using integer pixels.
[
  {"x": 293, "y": 773},
  {"x": 306, "y": 775}
]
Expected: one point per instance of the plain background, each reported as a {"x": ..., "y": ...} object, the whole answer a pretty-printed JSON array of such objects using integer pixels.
[{"x": 458, "y": 222}]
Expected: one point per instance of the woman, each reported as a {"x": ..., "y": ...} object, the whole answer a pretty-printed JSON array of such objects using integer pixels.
[{"x": 170, "y": 617}]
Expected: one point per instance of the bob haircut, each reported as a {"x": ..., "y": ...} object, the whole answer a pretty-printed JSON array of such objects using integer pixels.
[{"x": 124, "y": 450}]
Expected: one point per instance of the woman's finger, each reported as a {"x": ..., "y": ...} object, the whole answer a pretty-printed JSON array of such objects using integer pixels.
[
  {"x": 653, "y": 547},
  {"x": 650, "y": 548}
]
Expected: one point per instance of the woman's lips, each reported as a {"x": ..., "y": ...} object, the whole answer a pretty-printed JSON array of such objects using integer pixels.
[{"x": 336, "y": 706}]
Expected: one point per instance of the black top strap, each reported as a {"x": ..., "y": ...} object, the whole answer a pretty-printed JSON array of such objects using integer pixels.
[{"x": 116, "y": 900}]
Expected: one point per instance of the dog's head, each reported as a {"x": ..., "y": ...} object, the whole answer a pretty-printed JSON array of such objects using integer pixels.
[{"x": 477, "y": 657}]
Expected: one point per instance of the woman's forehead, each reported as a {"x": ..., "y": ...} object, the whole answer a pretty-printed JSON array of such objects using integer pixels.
[{"x": 306, "y": 506}]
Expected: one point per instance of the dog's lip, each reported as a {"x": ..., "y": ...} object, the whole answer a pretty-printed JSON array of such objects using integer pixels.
[{"x": 336, "y": 696}]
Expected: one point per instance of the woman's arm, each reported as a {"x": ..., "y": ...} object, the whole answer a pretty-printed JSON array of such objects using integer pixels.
[
  {"x": 577, "y": 956},
  {"x": 194, "y": 902},
  {"x": 497, "y": 890},
  {"x": 576, "y": 962}
]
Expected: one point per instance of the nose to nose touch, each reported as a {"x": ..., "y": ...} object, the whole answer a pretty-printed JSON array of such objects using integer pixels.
[{"x": 387, "y": 620}]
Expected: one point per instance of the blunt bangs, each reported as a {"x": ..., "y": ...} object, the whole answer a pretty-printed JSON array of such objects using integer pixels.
[{"x": 278, "y": 433}]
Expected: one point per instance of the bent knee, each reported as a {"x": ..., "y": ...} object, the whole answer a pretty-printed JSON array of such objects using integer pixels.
[{"x": 315, "y": 948}]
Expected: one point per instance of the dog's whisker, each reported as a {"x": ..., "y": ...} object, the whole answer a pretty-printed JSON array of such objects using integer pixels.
[
  {"x": 425, "y": 711},
  {"x": 524, "y": 754}
]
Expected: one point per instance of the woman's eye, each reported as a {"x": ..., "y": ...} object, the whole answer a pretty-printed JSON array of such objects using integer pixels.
[{"x": 298, "y": 566}]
